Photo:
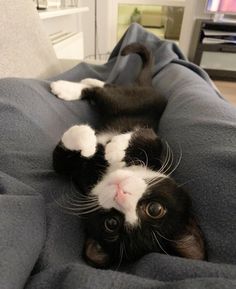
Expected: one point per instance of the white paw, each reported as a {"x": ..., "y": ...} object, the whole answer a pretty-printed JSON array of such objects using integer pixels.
[
  {"x": 67, "y": 90},
  {"x": 80, "y": 138},
  {"x": 115, "y": 150},
  {"x": 92, "y": 82}
]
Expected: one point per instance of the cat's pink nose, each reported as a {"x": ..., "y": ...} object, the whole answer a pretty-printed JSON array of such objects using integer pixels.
[{"x": 120, "y": 195}]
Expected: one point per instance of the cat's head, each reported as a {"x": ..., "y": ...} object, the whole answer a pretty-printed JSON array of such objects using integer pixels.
[{"x": 139, "y": 211}]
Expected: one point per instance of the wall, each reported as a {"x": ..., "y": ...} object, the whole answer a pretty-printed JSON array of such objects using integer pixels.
[
  {"x": 103, "y": 26},
  {"x": 193, "y": 9},
  {"x": 87, "y": 24}
]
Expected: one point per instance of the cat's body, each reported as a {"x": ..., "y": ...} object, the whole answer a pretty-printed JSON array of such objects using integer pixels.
[{"x": 130, "y": 203}]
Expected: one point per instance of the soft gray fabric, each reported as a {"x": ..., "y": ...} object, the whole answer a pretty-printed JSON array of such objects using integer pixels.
[{"x": 41, "y": 244}]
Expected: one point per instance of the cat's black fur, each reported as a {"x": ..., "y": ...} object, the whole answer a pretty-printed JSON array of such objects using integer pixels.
[{"x": 135, "y": 108}]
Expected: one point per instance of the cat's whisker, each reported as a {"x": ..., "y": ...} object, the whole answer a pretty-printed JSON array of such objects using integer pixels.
[
  {"x": 124, "y": 247},
  {"x": 79, "y": 213},
  {"x": 146, "y": 156},
  {"x": 142, "y": 163},
  {"x": 77, "y": 206},
  {"x": 83, "y": 199},
  {"x": 79, "y": 201},
  {"x": 155, "y": 181},
  {"x": 139, "y": 224},
  {"x": 166, "y": 160},
  {"x": 183, "y": 184},
  {"x": 78, "y": 194},
  {"x": 158, "y": 243},
  {"x": 121, "y": 256},
  {"x": 165, "y": 238},
  {"x": 83, "y": 204},
  {"x": 63, "y": 192},
  {"x": 170, "y": 159},
  {"x": 178, "y": 163},
  {"x": 78, "y": 197},
  {"x": 78, "y": 210},
  {"x": 136, "y": 161}
]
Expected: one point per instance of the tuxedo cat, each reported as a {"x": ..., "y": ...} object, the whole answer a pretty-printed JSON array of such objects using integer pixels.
[{"x": 130, "y": 204}]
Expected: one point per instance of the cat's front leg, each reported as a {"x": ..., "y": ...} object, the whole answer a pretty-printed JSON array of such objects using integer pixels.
[
  {"x": 80, "y": 156},
  {"x": 146, "y": 148},
  {"x": 115, "y": 150},
  {"x": 68, "y": 90},
  {"x": 80, "y": 138},
  {"x": 77, "y": 144},
  {"x": 141, "y": 146}
]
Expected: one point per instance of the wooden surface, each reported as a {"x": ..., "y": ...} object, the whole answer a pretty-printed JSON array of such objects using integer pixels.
[{"x": 227, "y": 89}]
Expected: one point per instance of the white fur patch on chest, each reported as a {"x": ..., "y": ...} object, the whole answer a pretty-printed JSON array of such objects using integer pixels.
[
  {"x": 105, "y": 137},
  {"x": 115, "y": 150}
]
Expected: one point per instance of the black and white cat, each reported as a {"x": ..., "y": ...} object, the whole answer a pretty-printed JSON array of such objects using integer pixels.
[{"x": 122, "y": 171}]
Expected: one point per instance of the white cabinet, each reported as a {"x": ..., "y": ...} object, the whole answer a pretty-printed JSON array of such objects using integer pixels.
[
  {"x": 65, "y": 30},
  {"x": 71, "y": 47},
  {"x": 58, "y": 12}
]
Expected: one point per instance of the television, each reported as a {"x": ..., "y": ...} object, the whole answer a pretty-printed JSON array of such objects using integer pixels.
[{"x": 220, "y": 8}]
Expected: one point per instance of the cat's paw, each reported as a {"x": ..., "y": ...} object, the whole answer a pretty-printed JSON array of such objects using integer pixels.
[
  {"x": 92, "y": 82},
  {"x": 115, "y": 150},
  {"x": 67, "y": 90},
  {"x": 80, "y": 138}
]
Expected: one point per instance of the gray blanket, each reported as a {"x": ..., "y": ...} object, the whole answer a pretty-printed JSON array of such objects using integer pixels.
[{"x": 40, "y": 244}]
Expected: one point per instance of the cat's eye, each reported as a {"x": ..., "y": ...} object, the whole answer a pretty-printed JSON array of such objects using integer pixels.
[
  {"x": 111, "y": 224},
  {"x": 155, "y": 210}
]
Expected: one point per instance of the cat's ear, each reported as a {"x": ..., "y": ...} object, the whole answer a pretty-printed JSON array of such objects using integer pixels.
[
  {"x": 95, "y": 255},
  {"x": 191, "y": 243}
]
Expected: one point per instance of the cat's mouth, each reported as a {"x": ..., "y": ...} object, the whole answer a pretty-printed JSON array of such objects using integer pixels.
[
  {"x": 120, "y": 195},
  {"x": 122, "y": 198},
  {"x": 121, "y": 190}
]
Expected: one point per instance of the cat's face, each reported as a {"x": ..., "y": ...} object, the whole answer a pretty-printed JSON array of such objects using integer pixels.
[{"x": 139, "y": 211}]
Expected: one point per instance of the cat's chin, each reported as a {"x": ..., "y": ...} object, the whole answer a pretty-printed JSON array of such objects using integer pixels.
[{"x": 121, "y": 190}]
